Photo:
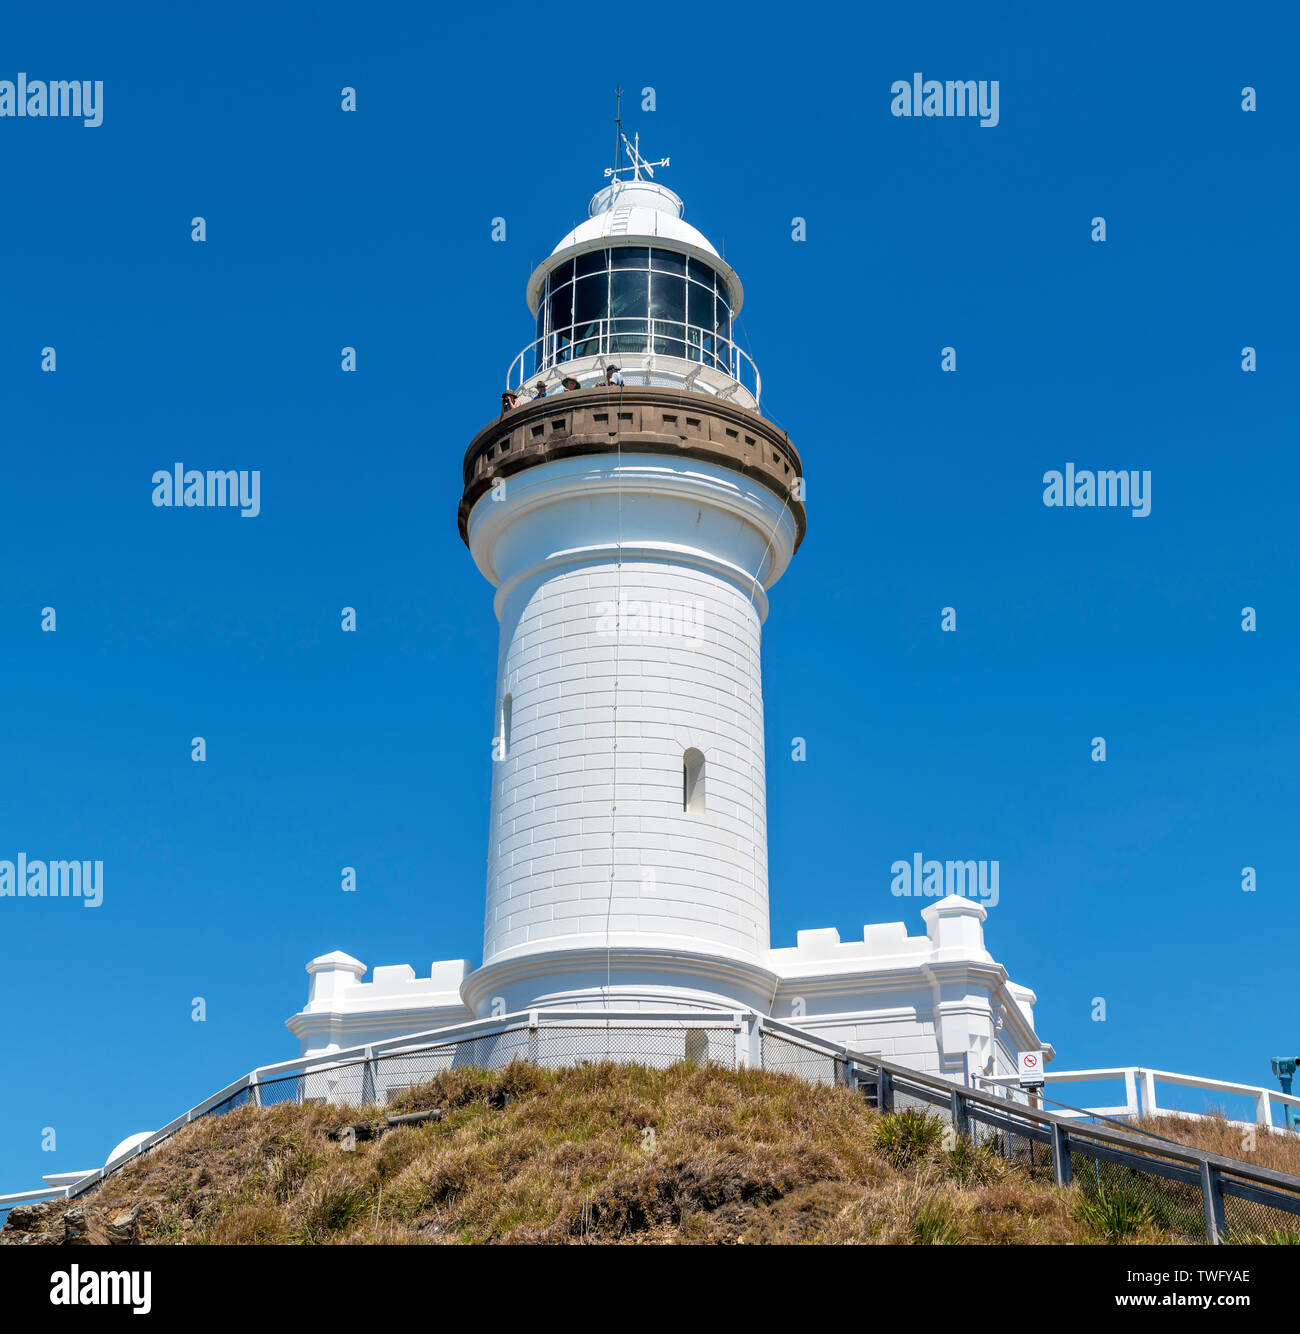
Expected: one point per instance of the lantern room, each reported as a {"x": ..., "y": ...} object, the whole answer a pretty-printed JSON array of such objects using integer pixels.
[{"x": 638, "y": 288}]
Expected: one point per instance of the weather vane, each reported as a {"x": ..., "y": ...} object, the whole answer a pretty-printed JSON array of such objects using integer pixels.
[{"x": 639, "y": 164}]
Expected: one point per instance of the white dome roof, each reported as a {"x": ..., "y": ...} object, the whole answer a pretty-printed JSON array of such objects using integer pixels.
[
  {"x": 636, "y": 211},
  {"x": 640, "y": 209},
  {"x": 128, "y": 1144}
]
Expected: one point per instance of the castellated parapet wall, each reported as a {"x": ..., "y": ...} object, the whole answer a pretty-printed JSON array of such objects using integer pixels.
[{"x": 938, "y": 1002}]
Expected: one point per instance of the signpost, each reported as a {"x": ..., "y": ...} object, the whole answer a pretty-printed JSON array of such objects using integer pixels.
[{"x": 1031, "y": 1069}]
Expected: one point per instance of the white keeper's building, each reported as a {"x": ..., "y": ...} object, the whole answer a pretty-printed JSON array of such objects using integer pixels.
[{"x": 632, "y": 534}]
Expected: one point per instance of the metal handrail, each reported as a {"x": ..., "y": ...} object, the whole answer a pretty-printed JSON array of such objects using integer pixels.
[
  {"x": 598, "y": 338},
  {"x": 1215, "y": 1169},
  {"x": 1023, "y": 1110}
]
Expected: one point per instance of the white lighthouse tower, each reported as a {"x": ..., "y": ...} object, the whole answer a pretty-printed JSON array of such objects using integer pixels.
[
  {"x": 632, "y": 533},
  {"x": 632, "y": 509}
]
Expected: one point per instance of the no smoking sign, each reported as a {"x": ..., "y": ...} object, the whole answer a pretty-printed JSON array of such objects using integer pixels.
[{"x": 1031, "y": 1069}]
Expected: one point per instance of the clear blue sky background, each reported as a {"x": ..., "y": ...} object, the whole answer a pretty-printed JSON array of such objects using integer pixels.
[{"x": 1120, "y": 880}]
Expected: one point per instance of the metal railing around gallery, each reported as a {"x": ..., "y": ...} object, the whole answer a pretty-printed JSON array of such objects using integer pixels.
[{"x": 636, "y": 341}]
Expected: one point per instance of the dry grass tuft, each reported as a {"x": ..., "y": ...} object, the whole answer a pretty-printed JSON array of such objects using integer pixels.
[{"x": 1252, "y": 1144}]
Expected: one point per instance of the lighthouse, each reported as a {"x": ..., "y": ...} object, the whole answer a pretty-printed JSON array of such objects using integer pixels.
[
  {"x": 632, "y": 510},
  {"x": 632, "y": 533}
]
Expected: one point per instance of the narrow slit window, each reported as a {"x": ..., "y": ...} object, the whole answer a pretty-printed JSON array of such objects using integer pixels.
[
  {"x": 503, "y": 727},
  {"x": 693, "y": 782}
]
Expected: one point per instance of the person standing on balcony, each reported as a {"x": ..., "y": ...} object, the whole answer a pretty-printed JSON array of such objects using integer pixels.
[{"x": 613, "y": 375}]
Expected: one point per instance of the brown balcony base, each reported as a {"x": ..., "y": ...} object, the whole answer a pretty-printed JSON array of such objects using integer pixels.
[{"x": 645, "y": 419}]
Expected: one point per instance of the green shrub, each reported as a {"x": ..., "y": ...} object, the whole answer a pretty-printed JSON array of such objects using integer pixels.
[
  {"x": 908, "y": 1137},
  {"x": 933, "y": 1225},
  {"x": 971, "y": 1164},
  {"x": 1115, "y": 1215}
]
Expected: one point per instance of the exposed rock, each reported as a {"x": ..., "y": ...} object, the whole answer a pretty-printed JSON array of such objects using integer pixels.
[
  {"x": 81, "y": 1227},
  {"x": 34, "y": 1225},
  {"x": 30, "y": 1217},
  {"x": 58, "y": 1223},
  {"x": 121, "y": 1230}
]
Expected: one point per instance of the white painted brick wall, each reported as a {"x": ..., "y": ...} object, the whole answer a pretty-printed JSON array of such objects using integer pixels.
[{"x": 696, "y": 683}]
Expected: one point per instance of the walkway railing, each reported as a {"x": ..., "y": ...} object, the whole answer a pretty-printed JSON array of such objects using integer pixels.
[
  {"x": 1186, "y": 1191},
  {"x": 616, "y": 339},
  {"x": 1140, "y": 1095}
]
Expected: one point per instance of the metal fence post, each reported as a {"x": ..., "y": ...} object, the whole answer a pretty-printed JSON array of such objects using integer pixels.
[
  {"x": 743, "y": 1023},
  {"x": 884, "y": 1090},
  {"x": 957, "y": 1102},
  {"x": 1263, "y": 1109},
  {"x": 756, "y": 1052},
  {"x": 368, "y": 1072},
  {"x": 254, "y": 1090},
  {"x": 1149, "y": 1106},
  {"x": 1131, "y": 1105},
  {"x": 1062, "y": 1167},
  {"x": 1212, "y": 1197}
]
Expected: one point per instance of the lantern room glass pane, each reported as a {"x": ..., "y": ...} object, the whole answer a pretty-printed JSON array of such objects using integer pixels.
[
  {"x": 667, "y": 297},
  {"x": 722, "y": 306},
  {"x": 590, "y": 299},
  {"x": 594, "y": 261},
  {"x": 629, "y": 294},
  {"x": 667, "y": 261},
  {"x": 628, "y": 335},
  {"x": 670, "y": 339},
  {"x": 700, "y": 306},
  {"x": 590, "y": 306},
  {"x": 630, "y": 257},
  {"x": 605, "y": 301},
  {"x": 562, "y": 308}
]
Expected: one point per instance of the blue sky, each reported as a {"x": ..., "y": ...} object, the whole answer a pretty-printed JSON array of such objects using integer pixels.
[{"x": 1120, "y": 880}]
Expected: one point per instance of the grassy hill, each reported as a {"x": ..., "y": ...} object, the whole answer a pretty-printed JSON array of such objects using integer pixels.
[{"x": 597, "y": 1154}]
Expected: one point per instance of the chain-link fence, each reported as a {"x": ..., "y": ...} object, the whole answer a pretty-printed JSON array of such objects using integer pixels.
[
  {"x": 796, "y": 1058},
  {"x": 1164, "y": 1193},
  {"x": 1172, "y": 1194},
  {"x": 1252, "y": 1215}
]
